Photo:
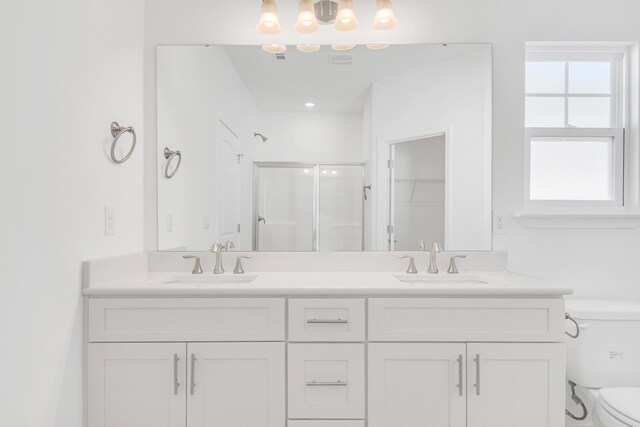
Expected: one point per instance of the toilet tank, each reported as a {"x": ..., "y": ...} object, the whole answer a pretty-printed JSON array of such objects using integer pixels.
[{"x": 607, "y": 350}]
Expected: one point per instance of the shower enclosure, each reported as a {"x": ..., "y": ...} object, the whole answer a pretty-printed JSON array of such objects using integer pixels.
[{"x": 308, "y": 207}]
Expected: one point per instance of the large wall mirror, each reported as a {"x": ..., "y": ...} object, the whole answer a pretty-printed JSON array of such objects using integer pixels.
[{"x": 359, "y": 150}]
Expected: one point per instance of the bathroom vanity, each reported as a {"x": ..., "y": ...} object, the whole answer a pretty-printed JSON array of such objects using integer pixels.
[{"x": 332, "y": 348}]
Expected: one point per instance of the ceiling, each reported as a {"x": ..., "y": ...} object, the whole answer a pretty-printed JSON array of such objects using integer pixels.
[{"x": 285, "y": 86}]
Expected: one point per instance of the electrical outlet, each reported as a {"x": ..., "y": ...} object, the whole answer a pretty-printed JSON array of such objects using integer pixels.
[
  {"x": 109, "y": 221},
  {"x": 499, "y": 223}
]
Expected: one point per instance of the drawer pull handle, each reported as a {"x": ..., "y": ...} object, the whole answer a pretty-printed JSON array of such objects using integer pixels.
[
  {"x": 460, "y": 374},
  {"x": 176, "y": 384},
  {"x": 477, "y": 384},
  {"x": 327, "y": 321},
  {"x": 193, "y": 374},
  {"x": 326, "y": 383}
]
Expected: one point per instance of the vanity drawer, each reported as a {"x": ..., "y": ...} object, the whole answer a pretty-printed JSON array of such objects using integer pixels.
[
  {"x": 326, "y": 423},
  {"x": 465, "y": 319},
  {"x": 186, "y": 319},
  {"x": 326, "y": 381},
  {"x": 320, "y": 319}
]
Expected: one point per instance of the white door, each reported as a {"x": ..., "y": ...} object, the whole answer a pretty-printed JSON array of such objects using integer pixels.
[
  {"x": 417, "y": 385},
  {"x": 236, "y": 385},
  {"x": 136, "y": 385},
  {"x": 228, "y": 186},
  {"x": 516, "y": 385}
]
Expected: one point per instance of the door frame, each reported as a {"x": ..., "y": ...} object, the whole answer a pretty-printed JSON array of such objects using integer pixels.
[{"x": 383, "y": 174}]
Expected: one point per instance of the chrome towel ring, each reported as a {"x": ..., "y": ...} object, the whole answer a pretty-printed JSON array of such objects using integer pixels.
[
  {"x": 567, "y": 316},
  {"x": 170, "y": 155},
  {"x": 117, "y": 131}
]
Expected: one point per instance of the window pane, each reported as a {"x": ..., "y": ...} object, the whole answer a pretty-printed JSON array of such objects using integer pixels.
[
  {"x": 544, "y": 112},
  {"x": 590, "y": 112},
  {"x": 590, "y": 77},
  {"x": 572, "y": 169},
  {"x": 545, "y": 77}
]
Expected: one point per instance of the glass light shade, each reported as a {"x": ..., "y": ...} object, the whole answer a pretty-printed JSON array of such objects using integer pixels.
[
  {"x": 307, "y": 21},
  {"x": 342, "y": 47},
  {"x": 346, "y": 17},
  {"x": 274, "y": 48},
  {"x": 268, "y": 22},
  {"x": 308, "y": 48},
  {"x": 385, "y": 19},
  {"x": 377, "y": 46}
]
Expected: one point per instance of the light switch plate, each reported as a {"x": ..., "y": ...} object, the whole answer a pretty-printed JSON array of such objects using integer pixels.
[{"x": 109, "y": 221}]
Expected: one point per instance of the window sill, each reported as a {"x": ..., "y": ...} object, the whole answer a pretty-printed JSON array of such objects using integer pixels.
[{"x": 579, "y": 220}]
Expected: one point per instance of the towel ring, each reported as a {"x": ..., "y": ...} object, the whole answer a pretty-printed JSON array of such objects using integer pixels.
[
  {"x": 117, "y": 131},
  {"x": 169, "y": 155}
]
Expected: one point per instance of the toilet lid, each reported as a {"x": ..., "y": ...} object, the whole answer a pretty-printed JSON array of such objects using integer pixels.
[{"x": 624, "y": 400}]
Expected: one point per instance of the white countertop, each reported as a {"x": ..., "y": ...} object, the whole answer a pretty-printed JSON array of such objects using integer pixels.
[{"x": 467, "y": 284}]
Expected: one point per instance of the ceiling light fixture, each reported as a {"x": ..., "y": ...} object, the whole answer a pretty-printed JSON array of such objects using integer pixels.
[
  {"x": 346, "y": 18},
  {"x": 342, "y": 47},
  {"x": 307, "y": 21},
  {"x": 377, "y": 46},
  {"x": 268, "y": 22},
  {"x": 309, "y": 104},
  {"x": 385, "y": 19},
  {"x": 274, "y": 48},
  {"x": 308, "y": 48}
]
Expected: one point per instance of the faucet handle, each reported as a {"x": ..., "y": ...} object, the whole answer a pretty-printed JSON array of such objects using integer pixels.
[
  {"x": 216, "y": 247},
  {"x": 453, "y": 269},
  {"x": 239, "y": 269},
  {"x": 421, "y": 245},
  {"x": 412, "y": 265},
  {"x": 197, "y": 268},
  {"x": 229, "y": 245}
]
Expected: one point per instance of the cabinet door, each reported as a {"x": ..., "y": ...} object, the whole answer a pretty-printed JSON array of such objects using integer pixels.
[
  {"x": 236, "y": 385},
  {"x": 417, "y": 385},
  {"x": 516, "y": 385},
  {"x": 136, "y": 385}
]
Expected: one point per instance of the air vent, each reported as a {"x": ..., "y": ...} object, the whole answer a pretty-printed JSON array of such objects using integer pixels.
[
  {"x": 279, "y": 57},
  {"x": 340, "y": 59}
]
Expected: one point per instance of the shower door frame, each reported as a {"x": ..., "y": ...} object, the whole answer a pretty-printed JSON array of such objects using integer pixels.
[{"x": 315, "y": 238}]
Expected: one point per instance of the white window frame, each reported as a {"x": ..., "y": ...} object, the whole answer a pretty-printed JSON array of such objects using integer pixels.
[{"x": 618, "y": 57}]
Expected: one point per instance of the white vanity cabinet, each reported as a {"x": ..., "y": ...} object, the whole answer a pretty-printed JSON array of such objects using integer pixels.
[{"x": 408, "y": 361}]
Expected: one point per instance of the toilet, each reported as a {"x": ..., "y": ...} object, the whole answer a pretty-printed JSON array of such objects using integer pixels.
[{"x": 604, "y": 360}]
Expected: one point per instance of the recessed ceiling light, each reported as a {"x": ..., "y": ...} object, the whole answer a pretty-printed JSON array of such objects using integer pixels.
[{"x": 309, "y": 104}]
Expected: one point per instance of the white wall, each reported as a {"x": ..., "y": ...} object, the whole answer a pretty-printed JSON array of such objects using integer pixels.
[
  {"x": 198, "y": 88},
  {"x": 68, "y": 69},
  {"x": 309, "y": 137},
  {"x": 452, "y": 96},
  {"x": 595, "y": 262}
]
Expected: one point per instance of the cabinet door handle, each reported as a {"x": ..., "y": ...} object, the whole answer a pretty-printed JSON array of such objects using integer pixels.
[
  {"x": 477, "y": 384},
  {"x": 193, "y": 374},
  {"x": 460, "y": 375},
  {"x": 327, "y": 321},
  {"x": 176, "y": 384},
  {"x": 315, "y": 383}
]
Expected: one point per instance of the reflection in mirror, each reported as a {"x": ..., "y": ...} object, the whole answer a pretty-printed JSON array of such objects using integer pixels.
[{"x": 325, "y": 151}]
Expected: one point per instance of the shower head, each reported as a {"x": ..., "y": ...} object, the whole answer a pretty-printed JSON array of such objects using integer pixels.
[{"x": 262, "y": 137}]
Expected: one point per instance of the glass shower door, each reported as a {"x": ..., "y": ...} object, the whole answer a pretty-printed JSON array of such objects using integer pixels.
[
  {"x": 284, "y": 207},
  {"x": 341, "y": 207}
]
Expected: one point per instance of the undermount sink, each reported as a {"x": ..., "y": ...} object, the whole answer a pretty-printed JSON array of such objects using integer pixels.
[
  {"x": 208, "y": 279},
  {"x": 458, "y": 279}
]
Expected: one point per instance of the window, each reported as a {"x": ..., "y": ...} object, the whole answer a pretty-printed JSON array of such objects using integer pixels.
[{"x": 574, "y": 118}]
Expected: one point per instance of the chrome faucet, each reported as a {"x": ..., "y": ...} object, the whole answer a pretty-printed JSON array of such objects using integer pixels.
[
  {"x": 433, "y": 260},
  {"x": 217, "y": 251}
]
